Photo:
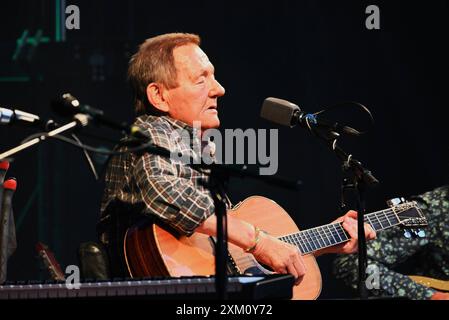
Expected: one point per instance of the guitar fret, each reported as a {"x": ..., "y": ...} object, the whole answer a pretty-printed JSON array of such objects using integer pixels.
[
  {"x": 328, "y": 241},
  {"x": 319, "y": 236},
  {"x": 310, "y": 239},
  {"x": 335, "y": 228},
  {"x": 381, "y": 226},
  {"x": 369, "y": 221},
  {"x": 393, "y": 217},
  {"x": 290, "y": 239},
  {"x": 298, "y": 239},
  {"x": 322, "y": 240},
  {"x": 376, "y": 225},
  {"x": 333, "y": 237},
  {"x": 313, "y": 244},
  {"x": 388, "y": 220},
  {"x": 321, "y": 233},
  {"x": 304, "y": 242},
  {"x": 295, "y": 242},
  {"x": 382, "y": 217},
  {"x": 324, "y": 236},
  {"x": 309, "y": 246},
  {"x": 342, "y": 232}
]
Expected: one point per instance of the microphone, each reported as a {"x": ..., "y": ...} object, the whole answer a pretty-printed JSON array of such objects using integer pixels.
[
  {"x": 15, "y": 116},
  {"x": 8, "y": 116},
  {"x": 288, "y": 114},
  {"x": 67, "y": 105}
]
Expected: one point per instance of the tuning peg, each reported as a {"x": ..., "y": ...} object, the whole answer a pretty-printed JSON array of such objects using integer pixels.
[
  {"x": 395, "y": 201},
  {"x": 407, "y": 233},
  {"x": 421, "y": 233}
]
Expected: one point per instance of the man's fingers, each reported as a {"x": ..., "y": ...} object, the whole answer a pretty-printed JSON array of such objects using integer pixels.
[
  {"x": 351, "y": 227},
  {"x": 370, "y": 234},
  {"x": 292, "y": 270},
  {"x": 300, "y": 270},
  {"x": 351, "y": 214}
]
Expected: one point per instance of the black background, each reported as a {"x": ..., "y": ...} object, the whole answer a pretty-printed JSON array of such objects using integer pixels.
[{"x": 313, "y": 53}]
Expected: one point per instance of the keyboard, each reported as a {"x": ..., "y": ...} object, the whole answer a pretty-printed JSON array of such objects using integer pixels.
[{"x": 239, "y": 287}]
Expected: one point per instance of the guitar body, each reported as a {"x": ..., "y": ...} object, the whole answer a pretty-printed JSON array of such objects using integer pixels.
[{"x": 153, "y": 251}]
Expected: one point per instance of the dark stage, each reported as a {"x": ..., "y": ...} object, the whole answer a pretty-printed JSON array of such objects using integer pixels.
[{"x": 313, "y": 53}]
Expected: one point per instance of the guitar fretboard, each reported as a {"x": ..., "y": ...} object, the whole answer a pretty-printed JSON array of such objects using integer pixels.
[{"x": 328, "y": 235}]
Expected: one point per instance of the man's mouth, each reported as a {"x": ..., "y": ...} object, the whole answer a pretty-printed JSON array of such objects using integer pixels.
[{"x": 212, "y": 109}]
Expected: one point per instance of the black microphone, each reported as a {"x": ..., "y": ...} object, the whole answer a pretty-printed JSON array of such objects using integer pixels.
[
  {"x": 289, "y": 114},
  {"x": 67, "y": 105}
]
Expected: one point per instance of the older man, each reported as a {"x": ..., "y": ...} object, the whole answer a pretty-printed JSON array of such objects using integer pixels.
[{"x": 174, "y": 85}]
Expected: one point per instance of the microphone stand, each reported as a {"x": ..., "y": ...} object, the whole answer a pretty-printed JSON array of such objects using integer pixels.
[
  {"x": 80, "y": 120},
  {"x": 357, "y": 180},
  {"x": 219, "y": 174},
  {"x": 221, "y": 245}
]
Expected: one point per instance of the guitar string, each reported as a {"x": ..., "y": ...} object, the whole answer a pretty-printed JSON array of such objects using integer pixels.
[
  {"x": 310, "y": 234},
  {"x": 312, "y": 239},
  {"x": 386, "y": 218},
  {"x": 307, "y": 239}
]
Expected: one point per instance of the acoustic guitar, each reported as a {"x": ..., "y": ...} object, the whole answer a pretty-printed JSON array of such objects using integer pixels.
[{"x": 151, "y": 250}]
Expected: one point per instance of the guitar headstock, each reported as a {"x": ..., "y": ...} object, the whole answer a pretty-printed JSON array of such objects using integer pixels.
[
  {"x": 410, "y": 217},
  {"x": 50, "y": 262}
]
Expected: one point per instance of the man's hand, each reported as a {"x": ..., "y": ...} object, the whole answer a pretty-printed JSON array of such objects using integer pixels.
[
  {"x": 350, "y": 225},
  {"x": 280, "y": 256}
]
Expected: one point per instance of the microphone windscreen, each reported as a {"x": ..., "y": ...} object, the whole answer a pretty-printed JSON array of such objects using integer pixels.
[
  {"x": 10, "y": 184},
  {"x": 279, "y": 111},
  {"x": 4, "y": 165}
]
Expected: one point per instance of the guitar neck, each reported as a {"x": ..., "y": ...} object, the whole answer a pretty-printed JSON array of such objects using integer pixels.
[{"x": 332, "y": 234}]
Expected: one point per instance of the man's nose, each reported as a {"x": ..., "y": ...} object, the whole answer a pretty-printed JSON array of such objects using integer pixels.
[{"x": 217, "y": 89}]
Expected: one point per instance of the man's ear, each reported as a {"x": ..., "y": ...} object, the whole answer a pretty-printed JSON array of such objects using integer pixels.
[{"x": 156, "y": 97}]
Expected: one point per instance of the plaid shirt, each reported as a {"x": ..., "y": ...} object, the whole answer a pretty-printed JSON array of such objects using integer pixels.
[{"x": 156, "y": 186}]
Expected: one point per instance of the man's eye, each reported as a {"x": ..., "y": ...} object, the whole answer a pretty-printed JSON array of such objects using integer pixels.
[{"x": 201, "y": 80}]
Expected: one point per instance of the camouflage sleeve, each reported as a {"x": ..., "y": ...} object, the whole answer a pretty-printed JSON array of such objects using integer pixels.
[
  {"x": 381, "y": 280},
  {"x": 384, "y": 253}
]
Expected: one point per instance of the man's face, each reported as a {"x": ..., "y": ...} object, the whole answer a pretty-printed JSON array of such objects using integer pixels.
[{"x": 195, "y": 97}]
